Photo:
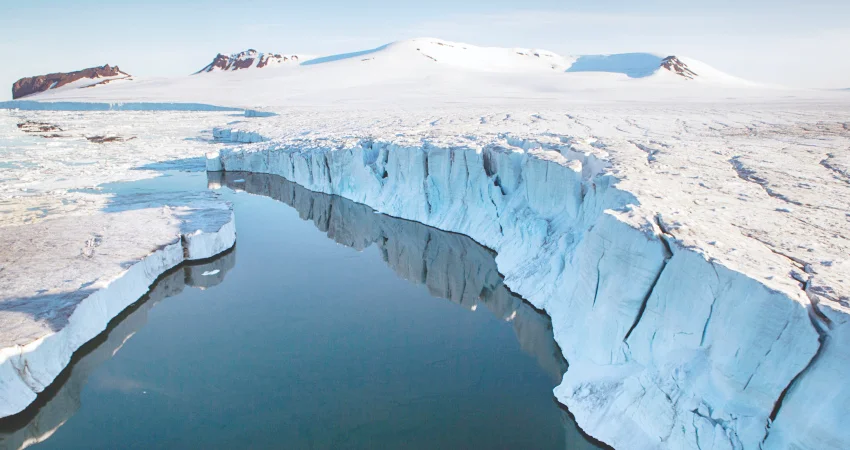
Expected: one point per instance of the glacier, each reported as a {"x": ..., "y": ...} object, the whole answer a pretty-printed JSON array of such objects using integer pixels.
[
  {"x": 686, "y": 236},
  {"x": 666, "y": 347}
]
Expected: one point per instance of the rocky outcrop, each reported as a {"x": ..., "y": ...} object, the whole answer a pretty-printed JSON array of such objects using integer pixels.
[
  {"x": 675, "y": 65},
  {"x": 245, "y": 60},
  {"x": 41, "y": 83}
]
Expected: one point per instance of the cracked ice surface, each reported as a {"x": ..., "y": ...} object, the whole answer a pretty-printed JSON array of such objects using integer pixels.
[
  {"x": 73, "y": 260},
  {"x": 692, "y": 258}
]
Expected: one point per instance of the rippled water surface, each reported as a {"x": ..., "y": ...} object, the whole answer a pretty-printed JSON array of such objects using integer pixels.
[{"x": 328, "y": 326}]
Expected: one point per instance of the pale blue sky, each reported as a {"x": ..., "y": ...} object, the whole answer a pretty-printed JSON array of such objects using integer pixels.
[{"x": 798, "y": 43}]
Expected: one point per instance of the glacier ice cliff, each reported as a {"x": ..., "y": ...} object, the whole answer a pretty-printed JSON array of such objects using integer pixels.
[
  {"x": 64, "y": 278},
  {"x": 667, "y": 348}
]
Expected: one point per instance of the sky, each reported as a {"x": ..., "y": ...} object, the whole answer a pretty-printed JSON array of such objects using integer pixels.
[{"x": 794, "y": 43}]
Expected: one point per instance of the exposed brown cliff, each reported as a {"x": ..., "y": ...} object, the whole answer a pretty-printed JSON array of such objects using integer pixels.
[
  {"x": 41, "y": 83},
  {"x": 675, "y": 65},
  {"x": 246, "y": 60}
]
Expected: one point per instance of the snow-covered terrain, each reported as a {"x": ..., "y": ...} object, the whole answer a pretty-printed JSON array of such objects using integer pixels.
[
  {"x": 685, "y": 230},
  {"x": 42, "y": 176}
]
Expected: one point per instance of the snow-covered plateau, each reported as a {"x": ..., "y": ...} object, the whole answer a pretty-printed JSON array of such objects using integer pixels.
[{"x": 687, "y": 235}]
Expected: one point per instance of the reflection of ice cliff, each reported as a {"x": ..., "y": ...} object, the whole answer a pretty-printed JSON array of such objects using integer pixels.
[
  {"x": 62, "y": 399},
  {"x": 451, "y": 265}
]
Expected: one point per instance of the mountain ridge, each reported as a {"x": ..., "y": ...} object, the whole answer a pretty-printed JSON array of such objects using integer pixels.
[{"x": 247, "y": 59}]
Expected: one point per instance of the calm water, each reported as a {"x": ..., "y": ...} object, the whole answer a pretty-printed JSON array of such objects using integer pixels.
[{"x": 328, "y": 326}]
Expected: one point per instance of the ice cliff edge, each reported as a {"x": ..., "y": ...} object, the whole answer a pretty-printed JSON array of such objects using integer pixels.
[{"x": 667, "y": 348}]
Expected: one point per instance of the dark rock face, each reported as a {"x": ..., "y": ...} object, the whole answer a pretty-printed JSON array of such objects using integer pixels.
[
  {"x": 675, "y": 65},
  {"x": 31, "y": 126},
  {"x": 245, "y": 60},
  {"x": 107, "y": 139},
  {"x": 41, "y": 83},
  {"x": 221, "y": 62}
]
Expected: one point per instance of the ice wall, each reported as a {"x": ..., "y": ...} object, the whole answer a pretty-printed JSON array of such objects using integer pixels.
[{"x": 666, "y": 348}]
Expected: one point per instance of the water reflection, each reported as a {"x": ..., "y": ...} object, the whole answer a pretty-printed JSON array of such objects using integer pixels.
[
  {"x": 451, "y": 266},
  {"x": 62, "y": 399}
]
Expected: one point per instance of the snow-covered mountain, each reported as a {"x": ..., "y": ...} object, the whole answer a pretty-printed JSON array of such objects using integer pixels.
[
  {"x": 78, "y": 79},
  {"x": 424, "y": 70},
  {"x": 249, "y": 59},
  {"x": 496, "y": 59}
]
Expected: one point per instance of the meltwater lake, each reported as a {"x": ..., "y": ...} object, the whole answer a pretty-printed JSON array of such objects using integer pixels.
[{"x": 327, "y": 326}]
